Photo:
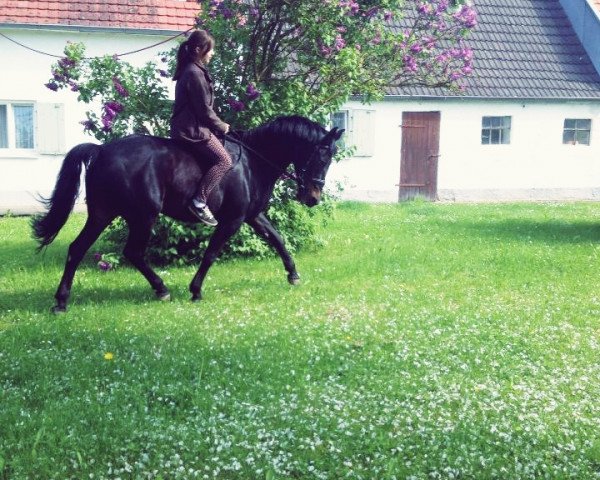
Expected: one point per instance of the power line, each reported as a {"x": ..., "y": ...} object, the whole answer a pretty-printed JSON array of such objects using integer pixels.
[{"x": 117, "y": 55}]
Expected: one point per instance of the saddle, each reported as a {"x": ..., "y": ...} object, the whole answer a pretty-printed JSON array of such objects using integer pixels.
[{"x": 234, "y": 145}]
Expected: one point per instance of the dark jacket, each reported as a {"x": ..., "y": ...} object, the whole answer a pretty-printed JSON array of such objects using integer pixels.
[{"x": 193, "y": 116}]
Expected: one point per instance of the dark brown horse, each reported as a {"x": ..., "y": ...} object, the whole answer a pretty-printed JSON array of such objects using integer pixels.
[{"x": 138, "y": 177}]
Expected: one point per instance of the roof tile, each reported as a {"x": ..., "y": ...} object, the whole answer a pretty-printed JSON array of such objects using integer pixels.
[
  {"x": 523, "y": 49},
  {"x": 172, "y": 15}
]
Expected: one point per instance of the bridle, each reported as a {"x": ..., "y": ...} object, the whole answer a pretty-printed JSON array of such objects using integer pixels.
[
  {"x": 298, "y": 177},
  {"x": 315, "y": 157}
]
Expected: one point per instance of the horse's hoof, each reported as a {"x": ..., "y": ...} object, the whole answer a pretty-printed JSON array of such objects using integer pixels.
[
  {"x": 196, "y": 298},
  {"x": 57, "y": 310},
  {"x": 294, "y": 279},
  {"x": 163, "y": 296}
]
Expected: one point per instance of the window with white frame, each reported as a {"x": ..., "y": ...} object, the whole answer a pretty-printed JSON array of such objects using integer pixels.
[
  {"x": 360, "y": 134},
  {"x": 576, "y": 131},
  {"x": 495, "y": 130},
  {"x": 340, "y": 120},
  {"x": 16, "y": 126}
]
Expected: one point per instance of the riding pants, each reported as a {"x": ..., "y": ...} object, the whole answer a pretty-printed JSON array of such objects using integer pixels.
[{"x": 213, "y": 151}]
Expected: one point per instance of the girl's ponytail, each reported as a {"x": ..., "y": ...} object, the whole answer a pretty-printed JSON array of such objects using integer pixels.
[{"x": 182, "y": 59}]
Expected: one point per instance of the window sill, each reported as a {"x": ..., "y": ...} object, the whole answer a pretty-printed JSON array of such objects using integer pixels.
[{"x": 6, "y": 154}]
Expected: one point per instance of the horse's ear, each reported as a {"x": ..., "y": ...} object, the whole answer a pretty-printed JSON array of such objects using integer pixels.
[{"x": 332, "y": 136}]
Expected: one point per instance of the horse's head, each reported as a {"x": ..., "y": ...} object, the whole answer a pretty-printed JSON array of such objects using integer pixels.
[{"x": 311, "y": 175}]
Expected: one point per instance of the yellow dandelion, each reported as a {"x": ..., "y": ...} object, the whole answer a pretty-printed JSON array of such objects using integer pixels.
[{"x": 109, "y": 356}]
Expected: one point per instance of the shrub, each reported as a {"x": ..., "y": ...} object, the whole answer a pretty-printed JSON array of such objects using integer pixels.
[{"x": 182, "y": 243}]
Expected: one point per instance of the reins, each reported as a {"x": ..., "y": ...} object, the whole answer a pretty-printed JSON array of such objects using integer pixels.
[{"x": 284, "y": 171}]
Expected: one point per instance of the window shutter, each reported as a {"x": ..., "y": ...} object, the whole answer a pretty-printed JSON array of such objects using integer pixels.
[
  {"x": 363, "y": 132},
  {"x": 50, "y": 131}
]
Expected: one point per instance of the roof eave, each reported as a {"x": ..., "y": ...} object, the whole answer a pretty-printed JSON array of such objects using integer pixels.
[
  {"x": 89, "y": 29},
  {"x": 498, "y": 98}
]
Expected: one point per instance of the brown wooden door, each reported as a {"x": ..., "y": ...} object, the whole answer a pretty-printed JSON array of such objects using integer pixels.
[{"x": 419, "y": 155}]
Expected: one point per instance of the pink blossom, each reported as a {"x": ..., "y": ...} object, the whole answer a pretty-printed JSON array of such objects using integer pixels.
[
  {"x": 252, "y": 92},
  {"x": 66, "y": 63},
  {"x": 121, "y": 90},
  {"x": 58, "y": 76},
  {"x": 429, "y": 42},
  {"x": 424, "y": 9},
  {"x": 416, "y": 48},
  {"x": 467, "y": 16},
  {"x": 236, "y": 105},
  {"x": 104, "y": 266},
  {"x": 467, "y": 53},
  {"x": 350, "y": 5},
  {"x": 52, "y": 86},
  {"x": 441, "y": 26},
  {"x": 325, "y": 51},
  {"x": 410, "y": 64},
  {"x": 114, "y": 106},
  {"x": 88, "y": 125},
  {"x": 442, "y": 6},
  {"x": 442, "y": 57},
  {"x": 107, "y": 123},
  {"x": 339, "y": 43}
]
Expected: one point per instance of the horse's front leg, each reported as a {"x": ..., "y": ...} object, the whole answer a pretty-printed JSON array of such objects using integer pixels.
[
  {"x": 223, "y": 232},
  {"x": 263, "y": 227}
]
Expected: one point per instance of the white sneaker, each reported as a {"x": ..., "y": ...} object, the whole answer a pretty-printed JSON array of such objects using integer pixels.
[{"x": 201, "y": 211}]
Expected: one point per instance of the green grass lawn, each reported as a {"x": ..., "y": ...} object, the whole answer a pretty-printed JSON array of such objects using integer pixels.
[{"x": 426, "y": 341}]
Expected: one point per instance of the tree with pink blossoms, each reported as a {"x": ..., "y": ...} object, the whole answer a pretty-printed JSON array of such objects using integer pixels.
[
  {"x": 309, "y": 57},
  {"x": 284, "y": 57}
]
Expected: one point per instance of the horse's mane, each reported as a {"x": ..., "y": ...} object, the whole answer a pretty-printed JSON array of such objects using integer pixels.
[{"x": 293, "y": 127}]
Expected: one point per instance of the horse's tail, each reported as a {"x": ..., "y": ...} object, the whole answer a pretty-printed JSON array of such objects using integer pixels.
[{"x": 58, "y": 207}]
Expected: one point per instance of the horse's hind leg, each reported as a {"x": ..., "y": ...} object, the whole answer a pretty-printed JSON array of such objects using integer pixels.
[
  {"x": 135, "y": 248},
  {"x": 91, "y": 231},
  {"x": 263, "y": 227}
]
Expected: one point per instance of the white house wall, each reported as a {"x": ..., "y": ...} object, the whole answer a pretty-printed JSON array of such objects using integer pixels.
[
  {"x": 534, "y": 166},
  {"x": 25, "y": 174}
]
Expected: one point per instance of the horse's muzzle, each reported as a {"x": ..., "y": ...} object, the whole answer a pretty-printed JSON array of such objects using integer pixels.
[{"x": 310, "y": 196}]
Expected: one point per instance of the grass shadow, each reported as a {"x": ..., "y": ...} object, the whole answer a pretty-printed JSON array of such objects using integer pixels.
[
  {"x": 551, "y": 231},
  {"x": 39, "y": 299},
  {"x": 23, "y": 255}
]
